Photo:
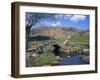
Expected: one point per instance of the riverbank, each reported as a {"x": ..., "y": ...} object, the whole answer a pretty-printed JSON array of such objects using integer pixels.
[{"x": 72, "y": 60}]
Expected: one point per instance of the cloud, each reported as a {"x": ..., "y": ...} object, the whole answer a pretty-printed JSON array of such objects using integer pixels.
[
  {"x": 52, "y": 23},
  {"x": 67, "y": 16},
  {"x": 77, "y": 18},
  {"x": 45, "y": 22},
  {"x": 58, "y": 16},
  {"x": 56, "y": 23},
  {"x": 64, "y": 16},
  {"x": 72, "y": 17}
]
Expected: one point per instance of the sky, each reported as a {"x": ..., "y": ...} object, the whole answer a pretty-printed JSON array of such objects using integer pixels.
[{"x": 79, "y": 21}]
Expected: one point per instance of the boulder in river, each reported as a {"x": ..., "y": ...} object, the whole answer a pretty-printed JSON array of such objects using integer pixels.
[{"x": 85, "y": 51}]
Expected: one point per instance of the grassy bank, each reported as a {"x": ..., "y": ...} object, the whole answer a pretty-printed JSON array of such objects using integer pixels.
[{"x": 42, "y": 59}]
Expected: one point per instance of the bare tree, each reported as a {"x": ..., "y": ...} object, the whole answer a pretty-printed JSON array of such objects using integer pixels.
[{"x": 32, "y": 19}]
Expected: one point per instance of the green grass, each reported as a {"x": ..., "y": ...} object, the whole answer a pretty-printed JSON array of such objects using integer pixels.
[
  {"x": 60, "y": 40},
  {"x": 81, "y": 40},
  {"x": 42, "y": 59}
]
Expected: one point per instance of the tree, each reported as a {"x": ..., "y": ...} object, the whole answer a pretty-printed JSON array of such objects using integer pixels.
[{"x": 34, "y": 18}]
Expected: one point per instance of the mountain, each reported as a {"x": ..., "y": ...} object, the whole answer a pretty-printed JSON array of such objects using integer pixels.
[
  {"x": 55, "y": 32},
  {"x": 62, "y": 35}
]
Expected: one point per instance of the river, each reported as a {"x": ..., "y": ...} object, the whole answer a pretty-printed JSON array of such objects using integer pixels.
[{"x": 74, "y": 60}]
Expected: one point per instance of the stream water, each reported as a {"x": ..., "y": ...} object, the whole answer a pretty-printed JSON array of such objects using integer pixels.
[{"x": 74, "y": 60}]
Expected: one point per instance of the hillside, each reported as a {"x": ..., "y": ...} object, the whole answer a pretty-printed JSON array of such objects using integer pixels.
[
  {"x": 81, "y": 39},
  {"x": 54, "y": 32},
  {"x": 60, "y": 33}
]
